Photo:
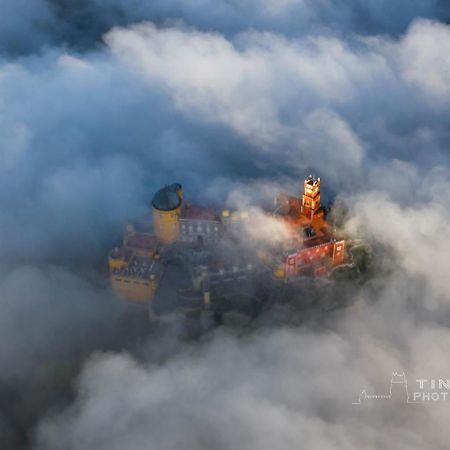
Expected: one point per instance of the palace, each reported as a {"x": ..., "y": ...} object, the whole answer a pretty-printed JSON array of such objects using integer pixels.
[{"x": 198, "y": 236}]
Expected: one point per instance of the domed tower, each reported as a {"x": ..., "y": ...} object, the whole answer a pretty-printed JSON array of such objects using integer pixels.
[
  {"x": 166, "y": 205},
  {"x": 311, "y": 196}
]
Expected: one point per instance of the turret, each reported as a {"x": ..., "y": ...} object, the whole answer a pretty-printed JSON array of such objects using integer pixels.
[
  {"x": 311, "y": 196},
  {"x": 166, "y": 205}
]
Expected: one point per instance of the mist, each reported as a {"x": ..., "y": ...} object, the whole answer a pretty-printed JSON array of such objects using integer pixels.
[{"x": 101, "y": 103}]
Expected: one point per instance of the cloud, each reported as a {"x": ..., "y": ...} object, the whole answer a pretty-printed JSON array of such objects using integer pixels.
[
  {"x": 49, "y": 325},
  {"x": 186, "y": 103},
  {"x": 23, "y": 26},
  {"x": 302, "y": 101},
  {"x": 423, "y": 65},
  {"x": 236, "y": 102},
  {"x": 80, "y": 23},
  {"x": 419, "y": 236},
  {"x": 282, "y": 388}
]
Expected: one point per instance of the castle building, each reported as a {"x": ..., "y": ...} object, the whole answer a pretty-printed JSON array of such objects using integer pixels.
[
  {"x": 317, "y": 250},
  {"x": 136, "y": 266}
]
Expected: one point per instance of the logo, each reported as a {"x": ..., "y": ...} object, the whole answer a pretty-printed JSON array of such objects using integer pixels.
[{"x": 424, "y": 391}]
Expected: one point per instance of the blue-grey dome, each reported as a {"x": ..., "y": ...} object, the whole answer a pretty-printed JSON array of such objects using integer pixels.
[{"x": 167, "y": 198}]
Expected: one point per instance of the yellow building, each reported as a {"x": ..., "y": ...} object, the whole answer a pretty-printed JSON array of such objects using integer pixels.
[
  {"x": 135, "y": 268},
  {"x": 166, "y": 204},
  {"x": 131, "y": 285}
]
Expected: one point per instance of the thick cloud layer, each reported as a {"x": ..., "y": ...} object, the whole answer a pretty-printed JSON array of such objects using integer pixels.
[
  {"x": 270, "y": 392},
  {"x": 86, "y": 139},
  {"x": 235, "y": 101}
]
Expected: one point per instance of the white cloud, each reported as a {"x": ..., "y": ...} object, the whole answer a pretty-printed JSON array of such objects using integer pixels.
[{"x": 245, "y": 100}]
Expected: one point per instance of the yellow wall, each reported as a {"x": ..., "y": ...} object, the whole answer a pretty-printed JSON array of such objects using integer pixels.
[
  {"x": 117, "y": 263},
  {"x": 166, "y": 224},
  {"x": 133, "y": 289}
]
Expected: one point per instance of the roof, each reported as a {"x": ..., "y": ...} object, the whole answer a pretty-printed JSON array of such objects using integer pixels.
[
  {"x": 199, "y": 213},
  {"x": 291, "y": 207},
  {"x": 142, "y": 240},
  {"x": 167, "y": 198},
  {"x": 140, "y": 267},
  {"x": 120, "y": 253},
  {"x": 312, "y": 179}
]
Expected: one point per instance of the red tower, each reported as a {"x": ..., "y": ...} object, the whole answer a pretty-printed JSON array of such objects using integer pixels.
[{"x": 311, "y": 196}]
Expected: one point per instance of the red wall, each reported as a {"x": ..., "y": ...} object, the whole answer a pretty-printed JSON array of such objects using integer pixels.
[{"x": 306, "y": 256}]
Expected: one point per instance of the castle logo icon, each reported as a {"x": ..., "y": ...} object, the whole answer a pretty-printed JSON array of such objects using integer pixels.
[{"x": 398, "y": 391}]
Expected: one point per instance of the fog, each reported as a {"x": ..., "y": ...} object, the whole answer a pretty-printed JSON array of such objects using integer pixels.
[{"x": 103, "y": 102}]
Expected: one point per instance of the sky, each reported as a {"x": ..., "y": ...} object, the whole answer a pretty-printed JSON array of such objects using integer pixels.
[{"x": 102, "y": 102}]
